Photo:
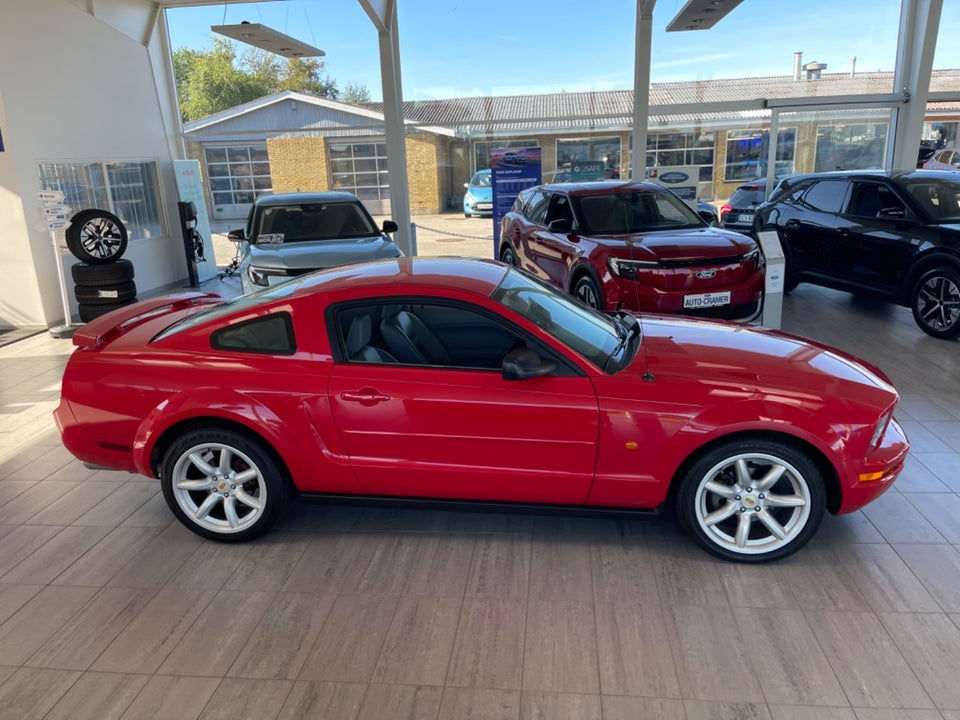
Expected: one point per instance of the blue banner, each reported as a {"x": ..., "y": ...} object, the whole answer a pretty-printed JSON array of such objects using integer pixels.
[{"x": 511, "y": 170}]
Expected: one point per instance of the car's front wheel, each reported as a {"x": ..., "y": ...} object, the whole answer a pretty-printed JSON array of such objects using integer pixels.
[
  {"x": 752, "y": 500},
  {"x": 507, "y": 256},
  {"x": 585, "y": 290},
  {"x": 936, "y": 303},
  {"x": 222, "y": 484}
]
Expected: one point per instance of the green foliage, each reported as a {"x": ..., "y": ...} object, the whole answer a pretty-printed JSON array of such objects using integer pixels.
[
  {"x": 210, "y": 81},
  {"x": 355, "y": 94}
]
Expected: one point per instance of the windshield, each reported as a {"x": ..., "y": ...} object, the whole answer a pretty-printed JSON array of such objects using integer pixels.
[
  {"x": 939, "y": 198},
  {"x": 480, "y": 180},
  {"x": 636, "y": 211},
  {"x": 591, "y": 334},
  {"x": 316, "y": 221}
]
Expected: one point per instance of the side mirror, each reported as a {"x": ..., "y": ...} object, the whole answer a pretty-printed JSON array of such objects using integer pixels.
[
  {"x": 892, "y": 212},
  {"x": 236, "y": 236},
  {"x": 524, "y": 363},
  {"x": 389, "y": 226},
  {"x": 560, "y": 225},
  {"x": 466, "y": 185}
]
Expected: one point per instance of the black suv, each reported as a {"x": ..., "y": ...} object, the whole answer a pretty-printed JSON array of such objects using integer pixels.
[
  {"x": 895, "y": 235},
  {"x": 737, "y": 213}
]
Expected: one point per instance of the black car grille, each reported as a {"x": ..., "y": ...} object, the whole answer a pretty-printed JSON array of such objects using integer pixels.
[{"x": 702, "y": 262}]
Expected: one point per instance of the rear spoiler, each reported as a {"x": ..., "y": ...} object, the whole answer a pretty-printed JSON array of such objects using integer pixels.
[{"x": 106, "y": 327}]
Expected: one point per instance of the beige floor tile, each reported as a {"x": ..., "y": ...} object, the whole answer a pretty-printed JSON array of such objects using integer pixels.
[
  {"x": 84, "y": 636},
  {"x": 901, "y": 522},
  {"x": 707, "y": 646},
  {"x": 559, "y": 706},
  {"x": 922, "y": 439},
  {"x": 5, "y": 672},
  {"x": 419, "y": 643},
  {"x": 167, "y": 696},
  {"x": 30, "y": 692},
  {"x": 23, "y": 457},
  {"x": 33, "y": 500},
  {"x": 500, "y": 567},
  {"x": 870, "y": 668},
  {"x": 279, "y": 646},
  {"x": 119, "y": 505},
  {"x": 268, "y": 562},
  {"x": 794, "y": 712},
  {"x": 98, "y": 696},
  {"x": 210, "y": 566},
  {"x": 55, "y": 556},
  {"x": 848, "y": 529},
  {"x": 686, "y": 575},
  {"x": 623, "y": 570},
  {"x": 9, "y": 489},
  {"x": 153, "y": 513},
  {"x": 156, "y": 563},
  {"x": 943, "y": 465},
  {"x": 14, "y": 597},
  {"x": 700, "y": 710},
  {"x": 634, "y": 652},
  {"x": 885, "y": 580},
  {"x": 322, "y": 701},
  {"x": 560, "y": 568},
  {"x": 560, "y": 648},
  {"x": 474, "y": 704},
  {"x": 488, "y": 649},
  {"x": 105, "y": 559},
  {"x": 349, "y": 644},
  {"x": 74, "y": 503},
  {"x": 757, "y": 586},
  {"x": 786, "y": 658},
  {"x": 382, "y": 564},
  {"x": 36, "y": 621},
  {"x": 212, "y": 644},
  {"x": 327, "y": 560},
  {"x": 819, "y": 581},
  {"x": 39, "y": 468},
  {"x": 942, "y": 510},
  {"x": 21, "y": 541},
  {"x": 634, "y": 708},
  {"x": 404, "y": 702},
  {"x": 440, "y": 565},
  {"x": 930, "y": 642},
  {"x": 241, "y": 699},
  {"x": 918, "y": 478},
  {"x": 147, "y": 640},
  {"x": 938, "y": 568},
  {"x": 73, "y": 472},
  {"x": 899, "y": 714}
]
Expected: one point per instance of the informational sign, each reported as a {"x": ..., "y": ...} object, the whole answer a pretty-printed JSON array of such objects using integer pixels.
[
  {"x": 512, "y": 170},
  {"x": 682, "y": 179},
  {"x": 583, "y": 170},
  {"x": 190, "y": 189}
]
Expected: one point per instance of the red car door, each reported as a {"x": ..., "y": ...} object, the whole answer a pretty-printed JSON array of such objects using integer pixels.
[{"x": 462, "y": 433}]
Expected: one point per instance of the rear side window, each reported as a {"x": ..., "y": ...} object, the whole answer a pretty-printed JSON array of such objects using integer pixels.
[
  {"x": 270, "y": 335},
  {"x": 826, "y": 195}
]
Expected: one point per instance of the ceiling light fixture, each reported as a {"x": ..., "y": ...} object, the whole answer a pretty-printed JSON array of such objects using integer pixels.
[
  {"x": 701, "y": 14},
  {"x": 266, "y": 38}
]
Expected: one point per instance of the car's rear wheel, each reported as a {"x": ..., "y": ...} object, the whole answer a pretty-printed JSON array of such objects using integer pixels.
[
  {"x": 585, "y": 290},
  {"x": 936, "y": 303},
  {"x": 752, "y": 500},
  {"x": 222, "y": 485},
  {"x": 507, "y": 256}
]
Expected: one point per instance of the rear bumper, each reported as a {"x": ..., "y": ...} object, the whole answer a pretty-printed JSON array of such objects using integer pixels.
[
  {"x": 888, "y": 460},
  {"x": 82, "y": 445}
]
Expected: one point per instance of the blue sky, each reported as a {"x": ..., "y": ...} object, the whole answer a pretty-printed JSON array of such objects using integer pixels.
[{"x": 459, "y": 48}]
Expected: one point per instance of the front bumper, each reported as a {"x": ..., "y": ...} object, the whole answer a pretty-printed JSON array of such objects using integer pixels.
[{"x": 887, "y": 461}]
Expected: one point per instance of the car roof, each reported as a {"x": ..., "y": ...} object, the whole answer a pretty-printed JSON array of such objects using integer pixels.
[
  {"x": 305, "y": 198},
  {"x": 474, "y": 275},
  {"x": 878, "y": 174},
  {"x": 601, "y": 187}
]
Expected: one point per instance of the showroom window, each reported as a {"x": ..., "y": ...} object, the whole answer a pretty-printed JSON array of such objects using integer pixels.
[
  {"x": 747, "y": 153},
  {"x": 682, "y": 148},
  {"x": 606, "y": 149},
  {"x": 238, "y": 174},
  {"x": 361, "y": 169},
  {"x": 481, "y": 150},
  {"x": 852, "y": 146},
  {"x": 130, "y": 190}
]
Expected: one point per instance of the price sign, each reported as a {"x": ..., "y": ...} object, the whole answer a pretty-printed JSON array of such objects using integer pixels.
[
  {"x": 57, "y": 224},
  {"x": 55, "y": 210},
  {"x": 51, "y": 196}
]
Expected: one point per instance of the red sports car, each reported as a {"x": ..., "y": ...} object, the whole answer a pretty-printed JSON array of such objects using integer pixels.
[
  {"x": 466, "y": 380},
  {"x": 629, "y": 245}
]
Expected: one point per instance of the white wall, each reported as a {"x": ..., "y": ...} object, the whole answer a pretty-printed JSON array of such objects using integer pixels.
[{"x": 73, "y": 88}]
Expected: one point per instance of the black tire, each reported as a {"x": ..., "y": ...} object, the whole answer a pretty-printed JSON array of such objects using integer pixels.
[
  {"x": 105, "y": 294},
  {"x": 936, "y": 303},
  {"x": 467, "y": 215},
  {"x": 730, "y": 516},
  {"x": 508, "y": 256},
  {"x": 120, "y": 271},
  {"x": 96, "y": 237},
  {"x": 193, "y": 484},
  {"x": 92, "y": 312},
  {"x": 586, "y": 290}
]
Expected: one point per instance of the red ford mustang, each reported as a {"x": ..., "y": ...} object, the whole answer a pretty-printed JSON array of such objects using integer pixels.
[{"x": 466, "y": 380}]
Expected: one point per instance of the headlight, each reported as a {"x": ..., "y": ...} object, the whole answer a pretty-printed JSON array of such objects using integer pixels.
[
  {"x": 468, "y": 197},
  {"x": 752, "y": 256},
  {"x": 880, "y": 429},
  {"x": 257, "y": 277},
  {"x": 628, "y": 268}
]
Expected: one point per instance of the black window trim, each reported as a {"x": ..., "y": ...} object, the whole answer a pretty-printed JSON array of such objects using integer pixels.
[{"x": 287, "y": 324}]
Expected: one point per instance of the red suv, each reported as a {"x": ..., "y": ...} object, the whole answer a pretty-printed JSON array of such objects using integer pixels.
[{"x": 632, "y": 245}]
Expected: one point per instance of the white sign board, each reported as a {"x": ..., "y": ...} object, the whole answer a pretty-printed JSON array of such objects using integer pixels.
[
  {"x": 682, "y": 179},
  {"x": 50, "y": 196},
  {"x": 190, "y": 189}
]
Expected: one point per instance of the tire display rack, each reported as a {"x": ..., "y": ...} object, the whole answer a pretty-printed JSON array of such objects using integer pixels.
[{"x": 104, "y": 281}]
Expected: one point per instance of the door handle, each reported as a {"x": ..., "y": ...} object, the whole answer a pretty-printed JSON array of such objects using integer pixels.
[
  {"x": 792, "y": 223},
  {"x": 364, "y": 397},
  {"x": 843, "y": 231}
]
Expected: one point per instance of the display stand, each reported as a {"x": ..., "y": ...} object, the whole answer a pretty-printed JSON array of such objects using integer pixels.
[
  {"x": 56, "y": 216},
  {"x": 774, "y": 278}
]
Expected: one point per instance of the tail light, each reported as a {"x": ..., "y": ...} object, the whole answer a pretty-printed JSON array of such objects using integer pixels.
[{"x": 724, "y": 211}]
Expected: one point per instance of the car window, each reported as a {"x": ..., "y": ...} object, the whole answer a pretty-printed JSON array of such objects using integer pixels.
[
  {"x": 272, "y": 334},
  {"x": 940, "y": 199},
  {"x": 639, "y": 211},
  {"x": 559, "y": 209},
  {"x": 747, "y": 195},
  {"x": 314, "y": 221},
  {"x": 536, "y": 206},
  {"x": 825, "y": 195},
  {"x": 873, "y": 200},
  {"x": 480, "y": 179}
]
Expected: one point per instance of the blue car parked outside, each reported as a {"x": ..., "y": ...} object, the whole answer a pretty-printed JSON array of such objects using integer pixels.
[{"x": 478, "y": 200}]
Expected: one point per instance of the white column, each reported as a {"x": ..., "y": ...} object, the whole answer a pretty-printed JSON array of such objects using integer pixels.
[{"x": 641, "y": 86}]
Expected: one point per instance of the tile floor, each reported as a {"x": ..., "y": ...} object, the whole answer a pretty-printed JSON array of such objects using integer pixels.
[{"x": 109, "y": 609}]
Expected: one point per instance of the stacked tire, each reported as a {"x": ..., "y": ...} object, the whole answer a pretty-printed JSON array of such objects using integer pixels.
[{"x": 103, "y": 279}]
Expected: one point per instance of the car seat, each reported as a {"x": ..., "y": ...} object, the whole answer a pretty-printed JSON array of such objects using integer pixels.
[
  {"x": 411, "y": 341},
  {"x": 358, "y": 342}
]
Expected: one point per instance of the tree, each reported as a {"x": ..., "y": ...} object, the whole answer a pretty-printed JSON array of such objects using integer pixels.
[
  {"x": 355, "y": 94},
  {"x": 209, "y": 81}
]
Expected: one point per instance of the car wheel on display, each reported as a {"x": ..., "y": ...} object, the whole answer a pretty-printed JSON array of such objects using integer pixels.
[
  {"x": 936, "y": 303},
  {"x": 96, "y": 236},
  {"x": 222, "y": 485},
  {"x": 586, "y": 291},
  {"x": 105, "y": 294},
  {"x": 507, "y": 256},
  {"x": 113, "y": 273},
  {"x": 752, "y": 500},
  {"x": 92, "y": 312}
]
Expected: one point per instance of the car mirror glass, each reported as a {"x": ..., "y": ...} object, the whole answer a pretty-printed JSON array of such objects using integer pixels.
[
  {"x": 560, "y": 225},
  {"x": 235, "y": 236},
  {"x": 524, "y": 363},
  {"x": 892, "y": 212},
  {"x": 389, "y": 226}
]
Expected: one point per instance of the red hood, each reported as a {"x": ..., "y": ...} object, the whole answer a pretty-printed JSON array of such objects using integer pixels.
[{"x": 700, "y": 244}]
